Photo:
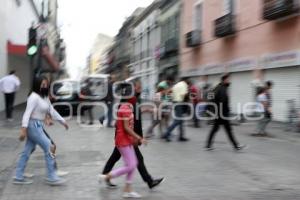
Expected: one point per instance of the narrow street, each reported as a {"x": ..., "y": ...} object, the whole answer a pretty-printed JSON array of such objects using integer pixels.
[{"x": 268, "y": 169}]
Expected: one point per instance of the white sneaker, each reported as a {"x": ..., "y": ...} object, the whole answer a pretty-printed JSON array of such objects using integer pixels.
[
  {"x": 101, "y": 178},
  {"x": 56, "y": 183},
  {"x": 61, "y": 173},
  {"x": 131, "y": 195},
  {"x": 28, "y": 175}
]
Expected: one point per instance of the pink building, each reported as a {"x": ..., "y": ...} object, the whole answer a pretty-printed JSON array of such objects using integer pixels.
[{"x": 256, "y": 40}]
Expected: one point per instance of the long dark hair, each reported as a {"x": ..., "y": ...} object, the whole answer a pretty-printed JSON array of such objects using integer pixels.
[{"x": 36, "y": 85}]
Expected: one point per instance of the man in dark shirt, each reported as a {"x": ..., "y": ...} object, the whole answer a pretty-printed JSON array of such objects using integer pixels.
[
  {"x": 221, "y": 100},
  {"x": 109, "y": 101},
  {"x": 115, "y": 156}
]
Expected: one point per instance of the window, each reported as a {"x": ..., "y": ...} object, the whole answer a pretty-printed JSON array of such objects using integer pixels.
[
  {"x": 198, "y": 16},
  {"x": 228, "y": 6}
]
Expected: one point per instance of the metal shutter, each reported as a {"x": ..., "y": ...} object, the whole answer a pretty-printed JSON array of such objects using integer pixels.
[
  {"x": 241, "y": 90},
  {"x": 286, "y": 86}
]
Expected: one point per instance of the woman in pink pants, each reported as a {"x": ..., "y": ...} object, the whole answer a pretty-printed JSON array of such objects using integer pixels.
[{"x": 124, "y": 140}]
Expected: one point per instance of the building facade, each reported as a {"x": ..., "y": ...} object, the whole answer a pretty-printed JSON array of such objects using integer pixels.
[
  {"x": 121, "y": 50},
  {"x": 16, "y": 17},
  {"x": 169, "y": 22},
  {"x": 145, "y": 46},
  {"x": 102, "y": 42},
  {"x": 255, "y": 40}
]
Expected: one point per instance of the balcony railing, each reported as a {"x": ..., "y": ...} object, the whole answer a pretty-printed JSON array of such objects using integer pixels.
[
  {"x": 225, "y": 25},
  {"x": 274, "y": 9},
  {"x": 193, "y": 38}
]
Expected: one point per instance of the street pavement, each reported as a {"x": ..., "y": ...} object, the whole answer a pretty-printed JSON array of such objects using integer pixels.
[{"x": 268, "y": 169}]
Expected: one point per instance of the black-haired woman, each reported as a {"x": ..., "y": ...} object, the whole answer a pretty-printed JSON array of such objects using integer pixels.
[{"x": 38, "y": 106}]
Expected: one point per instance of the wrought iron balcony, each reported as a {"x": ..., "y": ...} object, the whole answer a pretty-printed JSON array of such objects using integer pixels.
[
  {"x": 225, "y": 25},
  {"x": 193, "y": 38},
  {"x": 274, "y": 9}
]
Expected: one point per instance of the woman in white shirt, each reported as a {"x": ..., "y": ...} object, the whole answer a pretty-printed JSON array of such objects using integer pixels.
[
  {"x": 38, "y": 107},
  {"x": 264, "y": 111}
]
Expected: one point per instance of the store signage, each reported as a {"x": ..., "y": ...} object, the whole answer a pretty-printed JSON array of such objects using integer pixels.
[
  {"x": 285, "y": 59},
  {"x": 214, "y": 69},
  {"x": 192, "y": 72},
  {"x": 243, "y": 64}
]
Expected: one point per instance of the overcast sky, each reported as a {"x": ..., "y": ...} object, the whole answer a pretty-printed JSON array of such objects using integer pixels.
[{"x": 81, "y": 20}]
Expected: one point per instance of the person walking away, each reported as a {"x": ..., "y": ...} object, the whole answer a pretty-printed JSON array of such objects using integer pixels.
[
  {"x": 156, "y": 113},
  {"x": 109, "y": 101},
  {"x": 221, "y": 100},
  {"x": 86, "y": 94},
  {"x": 269, "y": 86},
  {"x": 263, "y": 111},
  {"x": 125, "y": 140},
  {"x": 135, "y": 101},
  {"x": 9, "y": 85},
  {"x": 195, "y": 99},
  {"x": 180, "y": 93},
  {"x": 38, "y": 106},
  {"x": 166, "y": 107}
]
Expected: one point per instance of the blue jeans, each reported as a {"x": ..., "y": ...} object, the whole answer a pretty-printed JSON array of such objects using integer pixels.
[
  {"x": 177, "y": 122},
  {"x": 109, "y": 113},
  {"x": 36, "y": 136}
]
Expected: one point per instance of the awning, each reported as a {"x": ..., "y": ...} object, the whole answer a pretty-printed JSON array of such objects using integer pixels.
[{"x": 15, "y": 49}]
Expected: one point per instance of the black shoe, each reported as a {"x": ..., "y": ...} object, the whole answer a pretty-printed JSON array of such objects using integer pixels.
[
  {"x": 91, "y": 123},
  {"x": 101, "y": 121},
  {"x": 155, "y": 183},
  {"x": 183, "y": 139},
  {"x": 168, "y": 139},
  {"x": 110, "y": 185},
  {"x": 209, "y": 148}
]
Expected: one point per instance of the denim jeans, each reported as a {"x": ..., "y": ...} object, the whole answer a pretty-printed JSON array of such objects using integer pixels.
[
  {"x": 36, "y": 136},
  {"x": 262, "y": 123},
  {"x": 177, "y": 122},
  {"x": 109, "y": 113}
]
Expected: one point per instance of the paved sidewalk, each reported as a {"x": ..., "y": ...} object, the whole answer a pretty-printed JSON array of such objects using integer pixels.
[{"x": 269, "y": 169}]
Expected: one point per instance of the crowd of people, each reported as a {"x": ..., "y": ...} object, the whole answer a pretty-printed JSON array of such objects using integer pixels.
[{"x": 173, "y": 101}]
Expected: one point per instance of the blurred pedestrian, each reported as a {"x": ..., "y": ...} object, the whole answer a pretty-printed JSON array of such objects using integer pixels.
[
  {"x": 263, "y": 111},
  {"x": 221, "y": 100},
  {"x": 180, "y": 92},
  {"x": 194, "y": 91},
  {"x": 87, "y": 95},
  {"x": 269, "y": 85},
  {"x": 109, "y": 101},
  {"x": 9, "y": 85},
  {"x": 156, "y": 112},
  {"x": 135, "y": 101},
  {"x": 166, "y": 106},
  {"x": 125, "y": 139},
  {"x": 265, "y": 100},
  {"x": 38, "y": 106},
  {"x": 49, "y": 122}
]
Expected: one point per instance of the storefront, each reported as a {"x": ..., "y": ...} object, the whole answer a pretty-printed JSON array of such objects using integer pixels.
[{"x": 284, "y": 71}]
